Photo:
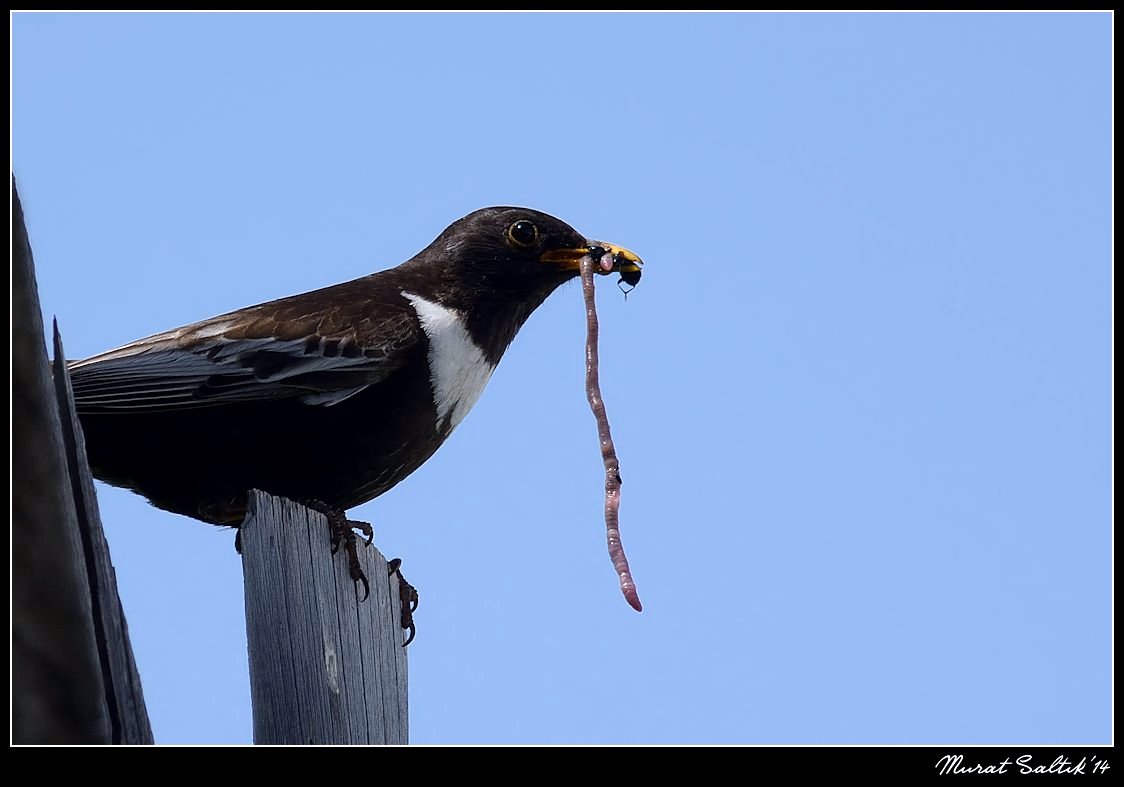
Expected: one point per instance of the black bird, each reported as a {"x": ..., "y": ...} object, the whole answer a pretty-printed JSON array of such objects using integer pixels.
[{"x": 331, "y": 397}]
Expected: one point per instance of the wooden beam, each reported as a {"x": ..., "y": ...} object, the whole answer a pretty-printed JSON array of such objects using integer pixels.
[
  {"x": 73, "y": 676},
  {"x": 324, "y": 666},
  {"x": 128, "y": 714}
]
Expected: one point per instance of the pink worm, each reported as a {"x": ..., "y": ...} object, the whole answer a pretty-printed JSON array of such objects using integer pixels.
[{"x": 608, "y": 451}]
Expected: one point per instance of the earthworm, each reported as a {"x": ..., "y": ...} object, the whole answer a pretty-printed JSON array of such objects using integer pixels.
[{"x": 608, "y": 450}]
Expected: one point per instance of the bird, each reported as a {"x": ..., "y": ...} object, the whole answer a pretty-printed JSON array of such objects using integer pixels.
[{"x": 330, "y": 397}]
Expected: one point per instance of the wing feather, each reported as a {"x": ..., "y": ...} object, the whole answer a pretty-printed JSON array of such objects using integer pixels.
[{"x": 258, "y": 354}]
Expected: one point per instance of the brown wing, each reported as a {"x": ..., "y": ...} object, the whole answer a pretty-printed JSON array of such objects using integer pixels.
[{"x": 320, "y": 348}]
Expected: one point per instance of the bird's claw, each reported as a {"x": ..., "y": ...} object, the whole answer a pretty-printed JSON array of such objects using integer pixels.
[
  {"x": 364, "y": 528},
  {"x": 408, "y": 597},
  {"x": 342, "y": 531},
  {"x": 354, "y": 568}
]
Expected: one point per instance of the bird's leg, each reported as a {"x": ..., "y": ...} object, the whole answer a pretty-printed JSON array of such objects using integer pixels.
[
  {"x": 343, "y": 531},
  {"x": 408, "y": 595}
]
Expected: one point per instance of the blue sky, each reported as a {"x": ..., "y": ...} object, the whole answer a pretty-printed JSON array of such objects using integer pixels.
[{"x": 862, "y": 396}]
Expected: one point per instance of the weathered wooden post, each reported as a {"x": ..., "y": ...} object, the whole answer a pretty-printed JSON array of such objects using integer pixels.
[
  {"x": 73, "y": 675},
  {"x": 325, "y": 667}
]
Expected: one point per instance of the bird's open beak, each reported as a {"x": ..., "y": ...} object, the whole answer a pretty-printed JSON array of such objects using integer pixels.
[{"x": 627, "y": 264}]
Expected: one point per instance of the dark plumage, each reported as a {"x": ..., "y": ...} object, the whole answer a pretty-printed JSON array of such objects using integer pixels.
[{"x": 334, "y": 395}]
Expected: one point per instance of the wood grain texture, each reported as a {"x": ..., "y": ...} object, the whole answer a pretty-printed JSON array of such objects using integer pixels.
[
  {"x": 324, "y": 667},
  {"x": 73, "y": 677},
  {"x": 128, "y": 715}
]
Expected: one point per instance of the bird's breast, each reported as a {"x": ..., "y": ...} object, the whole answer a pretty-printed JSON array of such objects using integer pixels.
[{"x": 458, "y": 368}]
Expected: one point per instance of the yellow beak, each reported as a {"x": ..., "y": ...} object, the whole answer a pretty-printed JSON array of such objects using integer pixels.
[{"x": 625, "y": 262}]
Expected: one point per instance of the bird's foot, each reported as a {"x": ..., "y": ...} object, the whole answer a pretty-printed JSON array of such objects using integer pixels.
[
  {"x": 343, "y": 532},
  {"x": 408, "y": 594}
]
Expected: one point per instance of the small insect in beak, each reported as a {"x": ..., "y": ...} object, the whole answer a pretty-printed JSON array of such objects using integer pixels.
[{"x": 629, "y": 277}]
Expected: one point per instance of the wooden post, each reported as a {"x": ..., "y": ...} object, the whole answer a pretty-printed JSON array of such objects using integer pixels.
[
  {"x": 73, "y": 675},
  {"x": 324, "y": 667}
]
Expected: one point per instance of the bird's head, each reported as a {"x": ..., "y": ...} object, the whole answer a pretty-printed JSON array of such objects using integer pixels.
[
  {"x": 496, "y": 265},
  {"x": 521, "y": 253}
]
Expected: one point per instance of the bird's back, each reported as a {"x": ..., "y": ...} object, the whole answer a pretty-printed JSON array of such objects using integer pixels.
[{"x": 312, "y": 396}]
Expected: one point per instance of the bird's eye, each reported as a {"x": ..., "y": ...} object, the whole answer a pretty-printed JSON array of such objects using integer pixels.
[{"x": 523, "y": 234}]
